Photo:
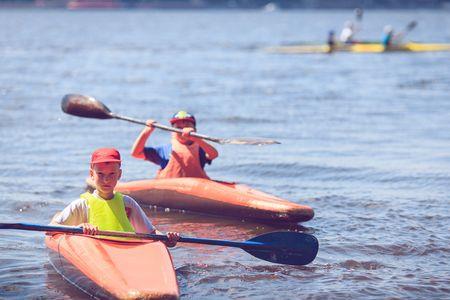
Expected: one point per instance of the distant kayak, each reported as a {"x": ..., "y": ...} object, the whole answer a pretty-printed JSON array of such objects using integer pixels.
[
  {"x": 358, "y": 48},
  {"x": 214, "y": 197},
  {"x": 108, "y": 269}
]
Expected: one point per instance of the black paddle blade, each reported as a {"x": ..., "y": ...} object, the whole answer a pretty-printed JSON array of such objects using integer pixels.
[
  {"x": 84, "y": 106},
  {"x": 290, "y": 248},
  {"x": 359, "y": 13},
  {"x": 411, "y": 25}
]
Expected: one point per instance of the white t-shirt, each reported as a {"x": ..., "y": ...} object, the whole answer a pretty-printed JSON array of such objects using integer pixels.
[
  {"x": 346, "y": 35},
  {"x": 77, "y": 213}
]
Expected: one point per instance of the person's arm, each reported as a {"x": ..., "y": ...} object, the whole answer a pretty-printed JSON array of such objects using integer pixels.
[
  {"x": 142, "y": 224},
  {"x": 210, "y": 151},
  {"x": 72, "y": 215},
  {"x": 397, "y": 38},
  {"x": 137, "y": 217},
  {"x": 75, "y": 214},
  {"x": 138, "y": 147}
]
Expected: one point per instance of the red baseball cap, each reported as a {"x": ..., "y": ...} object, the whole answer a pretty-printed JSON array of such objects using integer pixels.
[{"x": 105, "y": 155}]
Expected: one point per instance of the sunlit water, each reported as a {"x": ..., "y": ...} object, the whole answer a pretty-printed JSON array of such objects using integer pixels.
[{"x": 364, "y": 138}]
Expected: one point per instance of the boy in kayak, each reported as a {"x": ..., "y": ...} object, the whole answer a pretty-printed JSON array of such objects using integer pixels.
[
  {"x": 331, "y": 41},
  {"x": 348, "y": 33},
  {"x": 186, "y": 156},
  {"x": 104, "y": 209},
  {"x": 388, "y": 36}
]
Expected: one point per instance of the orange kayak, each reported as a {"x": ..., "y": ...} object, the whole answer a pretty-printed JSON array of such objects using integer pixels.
[
  {"x": 114, "y": 269},
  {"x": 214, "y": 197}
]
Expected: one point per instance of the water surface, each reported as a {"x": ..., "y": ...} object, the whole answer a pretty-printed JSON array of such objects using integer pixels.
[{"x": 365, "y": 141}]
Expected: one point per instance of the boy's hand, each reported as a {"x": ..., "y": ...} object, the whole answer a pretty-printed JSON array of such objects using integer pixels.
[
  {"x": 173, "y": 237},
  {"x": 89, "y": 229},
  {"x": 187, "y": 134},
  {"x": 149, "y": 124}
]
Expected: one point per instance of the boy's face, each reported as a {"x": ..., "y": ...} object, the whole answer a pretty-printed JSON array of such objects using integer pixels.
[
  {"x": 105, "y": 176},
  {"x": 183, "y": 124}
]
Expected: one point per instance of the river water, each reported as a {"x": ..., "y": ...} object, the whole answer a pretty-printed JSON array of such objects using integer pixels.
[{"x": 365, "y": 141}]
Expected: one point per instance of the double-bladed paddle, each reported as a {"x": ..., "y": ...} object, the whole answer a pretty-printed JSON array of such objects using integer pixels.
[
  {"x": 411, "y": 25},
  {"x": 89, "y": 107},
  {"x": 282, "y": 247},
  {"x": 358, "y": 14}
]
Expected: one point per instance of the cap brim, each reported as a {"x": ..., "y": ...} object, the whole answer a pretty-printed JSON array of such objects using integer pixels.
[
  {"x": 173, "y": 121},
  {"x": 105, "y": 160}
]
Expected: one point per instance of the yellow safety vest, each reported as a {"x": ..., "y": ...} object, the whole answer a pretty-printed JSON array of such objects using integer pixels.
[{"x": 108, "y": 214}]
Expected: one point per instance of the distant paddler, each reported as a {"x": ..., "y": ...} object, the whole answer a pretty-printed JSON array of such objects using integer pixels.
[
  {"x": 347, "y": 33},
  {"x": 390, "y": 38},
  {"x": 331, "y": 41},
  {"x": 351, "y": 28}
]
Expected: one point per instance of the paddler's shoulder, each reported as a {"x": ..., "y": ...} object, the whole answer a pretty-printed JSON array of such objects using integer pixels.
[
  {"x": 81, "y": 202},
  {"x": 129, "y": 202}
]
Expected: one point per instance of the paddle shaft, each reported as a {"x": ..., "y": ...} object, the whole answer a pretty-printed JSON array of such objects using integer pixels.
[
  {"x": 167, "y": 128},
  {"x": 359, "y": 14},
  {"x": 282, "y": 247},
  {"x": 411, "y": 25},
  {"x": 89, "y": 107},
  {"x": 159, "y": 237}
]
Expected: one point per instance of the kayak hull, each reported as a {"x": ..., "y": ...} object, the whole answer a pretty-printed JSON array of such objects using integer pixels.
[
  {"x": 214, "y": 197},
  {"x": 359, "y": 48},
  {"x": 108, "y": 269}
]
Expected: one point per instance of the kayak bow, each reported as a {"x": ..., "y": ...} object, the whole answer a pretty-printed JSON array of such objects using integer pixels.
[{"x": 105, "y": 268}]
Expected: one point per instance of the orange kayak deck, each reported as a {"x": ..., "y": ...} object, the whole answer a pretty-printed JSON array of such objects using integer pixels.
[
  {"x": 108, "y": 269},
  {"x": 214, "y": 197}
]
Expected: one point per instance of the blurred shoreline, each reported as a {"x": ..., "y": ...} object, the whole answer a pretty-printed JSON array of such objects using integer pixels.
[{"x": 225, "y": 4}]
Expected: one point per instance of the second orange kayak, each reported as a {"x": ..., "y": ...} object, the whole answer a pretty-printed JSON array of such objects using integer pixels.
[
  {"x": 114, "y": 269},
  {"x": 214, "y": 197}
]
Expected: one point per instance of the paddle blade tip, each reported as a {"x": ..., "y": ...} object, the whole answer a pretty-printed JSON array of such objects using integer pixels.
[
  {"x": 290, "y": 248},
  {"x": 84, "y": 106},
  {"x": 248, "y": 141}
]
